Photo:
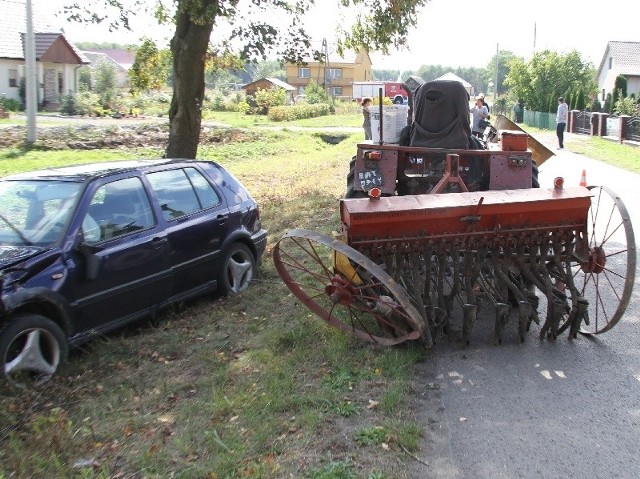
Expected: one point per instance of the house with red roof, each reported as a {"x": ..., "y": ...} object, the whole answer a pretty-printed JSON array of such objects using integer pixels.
[{"x": 57, "y": 59}]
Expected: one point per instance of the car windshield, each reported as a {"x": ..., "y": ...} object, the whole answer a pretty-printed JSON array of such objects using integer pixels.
[{"x": 36, "y": 212}]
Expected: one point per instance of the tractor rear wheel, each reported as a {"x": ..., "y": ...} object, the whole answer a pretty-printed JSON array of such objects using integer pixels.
[{"x": 351, "y": 182}]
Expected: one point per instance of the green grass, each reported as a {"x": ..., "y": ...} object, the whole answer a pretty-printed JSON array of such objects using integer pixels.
[
  {"x": 607, "y": 151},
  {"x": 248, "y": 386}
]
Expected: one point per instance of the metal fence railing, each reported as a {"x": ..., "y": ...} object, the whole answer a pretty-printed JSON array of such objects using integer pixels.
[
  {"x": 537, "y": 119},
  {"x": 633, "y": 129}
]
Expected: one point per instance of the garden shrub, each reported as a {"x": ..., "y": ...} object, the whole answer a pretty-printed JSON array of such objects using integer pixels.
[
  {"x": 267, "y": 99},
  {"x": 297, "y": 112},
  {"x": 9, "y": 104}
]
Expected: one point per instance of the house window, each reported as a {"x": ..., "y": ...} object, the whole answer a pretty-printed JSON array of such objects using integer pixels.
[
  {"x": 337, "y": 91},
  {"x": 13, "y": 78},
  {"x": 60, "y": 84},
  {"x": 334, "y": 73},
  {"x": 304, "y": 72},
  {"x": 610, "y": 63}
]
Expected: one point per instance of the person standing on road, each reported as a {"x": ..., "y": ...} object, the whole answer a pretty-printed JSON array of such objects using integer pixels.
[
  {"x": 479, "y": 114},
  {"x": 366, "y": 113},
  {"x": 561, "y": 121}
]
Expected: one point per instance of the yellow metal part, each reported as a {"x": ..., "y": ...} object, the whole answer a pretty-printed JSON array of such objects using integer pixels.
[{"x": 343, "y": 266}]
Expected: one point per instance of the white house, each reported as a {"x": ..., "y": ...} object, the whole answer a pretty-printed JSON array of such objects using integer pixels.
[
  {"x": 450, "y": 76},
  {"x": 57, "y": 60},
  {"x": 122, "y": 60},
  {"x": 620, "y": 58}
]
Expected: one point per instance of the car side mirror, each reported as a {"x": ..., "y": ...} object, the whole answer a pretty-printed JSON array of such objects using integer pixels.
[{"x": 91, "y": 259}]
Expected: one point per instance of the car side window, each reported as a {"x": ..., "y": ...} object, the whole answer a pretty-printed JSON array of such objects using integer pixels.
[
  {"x": 182, "y": 191},
  {"x": 206, "y": 194},
  {"x": 116, "y": 209}
]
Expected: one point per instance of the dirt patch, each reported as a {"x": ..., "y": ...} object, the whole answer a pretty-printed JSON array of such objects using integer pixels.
[{"x": 93, "y": 137}]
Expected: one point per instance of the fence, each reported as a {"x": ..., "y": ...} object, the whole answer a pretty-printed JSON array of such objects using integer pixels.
[
  {"x": 624, "y": 128},
  {"x": 538, "y": 119},
  {"x": 632, "y": 130}
]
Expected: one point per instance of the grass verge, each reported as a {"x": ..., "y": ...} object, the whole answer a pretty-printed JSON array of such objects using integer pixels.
[{"x": 251, "y": 386}]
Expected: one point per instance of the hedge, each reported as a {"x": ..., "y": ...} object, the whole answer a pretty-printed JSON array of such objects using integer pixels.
[{"x": 296, "y": 112}]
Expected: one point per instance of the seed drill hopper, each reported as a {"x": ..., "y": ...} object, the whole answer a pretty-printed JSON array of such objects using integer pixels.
[{"x": 441, "y": 230}]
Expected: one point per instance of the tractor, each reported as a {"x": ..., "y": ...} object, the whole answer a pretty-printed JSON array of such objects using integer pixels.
[{"x": 440, "y": 230}]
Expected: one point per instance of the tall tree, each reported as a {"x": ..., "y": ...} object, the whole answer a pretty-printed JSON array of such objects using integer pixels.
[
  {"x": 149, "y": 70},
  {"x": 256, "y": 28},
  {"x": 386, "y": 75},
  {"x": 504, "y": 58},
  {"x": 548, "y": 75}
]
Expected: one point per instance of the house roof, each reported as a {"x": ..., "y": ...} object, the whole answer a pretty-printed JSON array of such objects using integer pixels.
[
  {"x": 124, "y": 58},
  {"x": 275, "y": 82},
  {"x": 96, "y": 58},
  {"x": 626, "y": 56},
  {"x": 453, "y": 77},
  {"x": 13, "y": 27}
]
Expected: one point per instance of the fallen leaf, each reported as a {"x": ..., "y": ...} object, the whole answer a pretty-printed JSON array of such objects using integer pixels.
[{"x": 372, "y": 404}]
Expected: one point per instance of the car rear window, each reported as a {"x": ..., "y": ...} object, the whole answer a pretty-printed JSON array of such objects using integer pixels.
[{"x": 182, "y": 191}]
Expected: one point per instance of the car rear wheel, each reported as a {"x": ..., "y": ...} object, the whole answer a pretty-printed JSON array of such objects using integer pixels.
[
  {"x": 32, "y": 348},
  {"x": 238, "y": 269}
]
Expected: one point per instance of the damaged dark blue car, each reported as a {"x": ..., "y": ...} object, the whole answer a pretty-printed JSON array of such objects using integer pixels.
[{"x": 89, "y": 248}]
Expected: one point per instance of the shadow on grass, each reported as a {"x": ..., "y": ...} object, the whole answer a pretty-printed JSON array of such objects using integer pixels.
[{"x": 21, "y": 151}]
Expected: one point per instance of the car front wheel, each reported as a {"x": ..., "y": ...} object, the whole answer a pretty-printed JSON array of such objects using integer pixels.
[
  {"x": 32, "y": 348},
  {"x": 237, "y": 270}
]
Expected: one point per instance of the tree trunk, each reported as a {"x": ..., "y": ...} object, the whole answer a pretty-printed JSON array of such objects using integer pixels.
[{"x": 189, "y": 47}]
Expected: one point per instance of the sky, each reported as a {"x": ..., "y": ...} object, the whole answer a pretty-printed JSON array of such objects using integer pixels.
[{"x": 455, "y": 33}]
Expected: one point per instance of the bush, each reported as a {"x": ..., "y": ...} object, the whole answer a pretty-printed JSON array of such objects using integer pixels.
[
  {"x": 314, "y": 93},
  {"x": 607, "y": 103},
  {"x": 625, "y": 106},
  {"x": 88, "y": 103},
  {"x": 243, "y": 107},
  {"x": 69, "y": 105},
  {"x": 266, "y": 99},
  {"x": 596, "y": 106},
  {"x": 9, "y": 104},
  {"x": 297, "y": 112}
]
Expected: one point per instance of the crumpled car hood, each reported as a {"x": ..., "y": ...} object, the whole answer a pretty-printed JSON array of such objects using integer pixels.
[{"x": 12, "y": 254}]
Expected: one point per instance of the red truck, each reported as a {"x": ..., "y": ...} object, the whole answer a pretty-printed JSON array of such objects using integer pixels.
[{"x": 370, "y": 89}]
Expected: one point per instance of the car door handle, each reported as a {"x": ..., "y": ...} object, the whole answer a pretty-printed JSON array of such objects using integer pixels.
[
  {"x": 159, "y": 242},
  {"x": 221, "y": 218}
]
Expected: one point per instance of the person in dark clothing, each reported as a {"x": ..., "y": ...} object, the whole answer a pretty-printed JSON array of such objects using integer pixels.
[{"x": 366, "y": 103}]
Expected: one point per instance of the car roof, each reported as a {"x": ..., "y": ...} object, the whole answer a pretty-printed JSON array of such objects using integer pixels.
[{"x": 86, "y": 171}]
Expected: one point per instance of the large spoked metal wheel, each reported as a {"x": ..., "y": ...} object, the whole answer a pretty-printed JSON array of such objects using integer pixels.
[
  {"x": 32, "y": 348},
  {"x": 604, "y": 274},
  {"x": 347, "y": 289}
]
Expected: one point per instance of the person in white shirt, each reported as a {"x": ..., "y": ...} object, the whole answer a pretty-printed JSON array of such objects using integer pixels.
[
  {"x": 561, "y": 121},
  {"x": 479, "y": 112}
]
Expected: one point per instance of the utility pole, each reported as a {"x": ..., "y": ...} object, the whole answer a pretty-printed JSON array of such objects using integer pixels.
[
  {"x": 324, "y": 62},
  {"x": 31, "y": 79},
  {"x": 495, "y": 87}
]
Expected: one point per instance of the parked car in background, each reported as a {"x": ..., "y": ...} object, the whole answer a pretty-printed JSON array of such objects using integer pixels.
[{"x": 89, "y": 248}]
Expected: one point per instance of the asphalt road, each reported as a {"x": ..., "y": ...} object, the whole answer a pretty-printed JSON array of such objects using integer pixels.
[{"x": 540, "y": 409}]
